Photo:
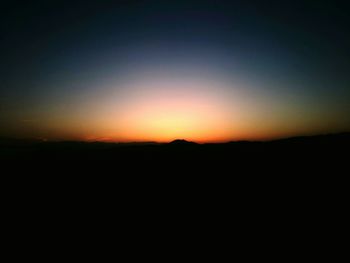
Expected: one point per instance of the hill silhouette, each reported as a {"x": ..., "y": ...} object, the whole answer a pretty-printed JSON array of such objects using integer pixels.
[
  {"x": 246, "y": 173},
  {"x": 291, "y": 152},
  {"x": 182, "y": 142}
]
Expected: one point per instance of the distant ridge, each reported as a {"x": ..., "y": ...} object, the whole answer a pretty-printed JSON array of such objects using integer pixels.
[
  {"x": 343, "y": 136},
  {"x": 181, "y": 142},
  {"x": 340, "y": 135}
]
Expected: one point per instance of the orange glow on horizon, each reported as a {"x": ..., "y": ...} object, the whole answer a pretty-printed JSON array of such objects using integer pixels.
[
  {"x": 161, "y": 110},
  {"x": 163, "y": 115}
]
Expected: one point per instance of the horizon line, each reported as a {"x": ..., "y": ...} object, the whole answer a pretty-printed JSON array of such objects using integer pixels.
[{"x": 170, "y": 141}]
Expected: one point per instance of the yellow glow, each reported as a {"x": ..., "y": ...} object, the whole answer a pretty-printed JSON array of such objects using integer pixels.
[
  {"x": 166, "y": 115},
  {"x": 160, "y": 109}
]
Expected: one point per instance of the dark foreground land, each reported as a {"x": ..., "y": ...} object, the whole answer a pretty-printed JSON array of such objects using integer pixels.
[
  {"x": 295, "y": 184},
  {"x": 327, "y": 153},
  {"x": 293, "y": 168},
  {"x": 297, "y": 168}
]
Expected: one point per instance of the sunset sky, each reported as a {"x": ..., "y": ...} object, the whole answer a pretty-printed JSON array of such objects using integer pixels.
[{"x": 206, "y": 71}]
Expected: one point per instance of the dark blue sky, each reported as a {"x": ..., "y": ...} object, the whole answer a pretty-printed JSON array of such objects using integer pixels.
[{"x": 293, "y": 54}]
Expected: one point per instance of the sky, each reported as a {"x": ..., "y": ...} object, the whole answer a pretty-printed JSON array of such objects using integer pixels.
[{"x": 206, "y": 71}]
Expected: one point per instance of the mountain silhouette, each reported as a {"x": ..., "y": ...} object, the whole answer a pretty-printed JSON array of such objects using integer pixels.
[
  {"x": 292, "y": 155},
  {"x": 181, "y": 142}
]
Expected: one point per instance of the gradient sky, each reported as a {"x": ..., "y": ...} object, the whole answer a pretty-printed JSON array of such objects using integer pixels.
[{"x": 161, "y": 70}]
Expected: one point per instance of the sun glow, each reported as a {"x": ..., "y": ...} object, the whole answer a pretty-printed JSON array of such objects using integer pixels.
[
  {"x": 165, "y": 113},
  {"x": 158, "y": 108}
]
